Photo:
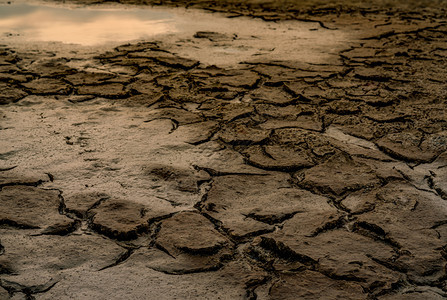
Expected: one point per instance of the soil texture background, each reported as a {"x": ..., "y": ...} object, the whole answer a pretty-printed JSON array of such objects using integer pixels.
[{"x": 161, "y": 170}]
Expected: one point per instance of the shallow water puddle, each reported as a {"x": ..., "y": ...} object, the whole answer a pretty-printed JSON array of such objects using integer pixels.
[
  {"x": 86, "y": 26},
  {"x": 210, "y": 38}
]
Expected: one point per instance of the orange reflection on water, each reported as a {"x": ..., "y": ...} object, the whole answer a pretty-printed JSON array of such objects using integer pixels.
[{"x": 81, "y": 26}]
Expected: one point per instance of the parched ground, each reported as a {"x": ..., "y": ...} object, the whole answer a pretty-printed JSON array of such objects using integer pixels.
[{"x": 137, "y": 173}]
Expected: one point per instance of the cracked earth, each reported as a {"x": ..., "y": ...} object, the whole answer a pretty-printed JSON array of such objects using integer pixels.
[{"x": 160, "y": 169}]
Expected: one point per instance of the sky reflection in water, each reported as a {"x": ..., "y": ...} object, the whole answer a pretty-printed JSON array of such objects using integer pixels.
[{"x": 85, "y": 26}]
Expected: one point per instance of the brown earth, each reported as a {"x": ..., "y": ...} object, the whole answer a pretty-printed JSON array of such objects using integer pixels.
[{"x": 164, "y": 177}]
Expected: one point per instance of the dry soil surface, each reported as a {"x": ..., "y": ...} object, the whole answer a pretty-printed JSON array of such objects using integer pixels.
[{"x": 144, "y": 172}]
